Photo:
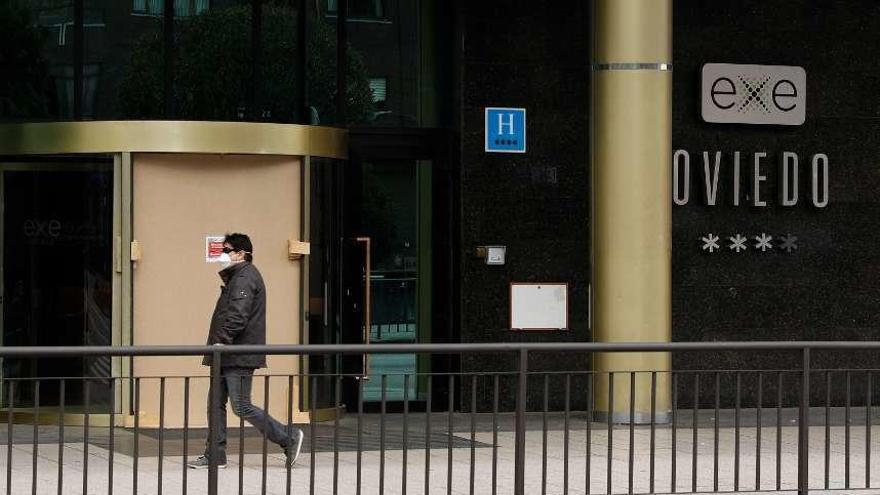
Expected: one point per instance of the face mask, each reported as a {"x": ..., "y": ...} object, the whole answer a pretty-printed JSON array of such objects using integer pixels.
[{"x": 225, "y": 262}]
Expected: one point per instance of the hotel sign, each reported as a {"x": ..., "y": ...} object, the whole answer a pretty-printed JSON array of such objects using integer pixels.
[
  {"x": 754, "y": 94},
  {"x": 505, "y": 130}
]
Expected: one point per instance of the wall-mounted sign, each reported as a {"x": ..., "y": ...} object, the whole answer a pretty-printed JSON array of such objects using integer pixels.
[
  {"x": 213, "y": 248},
  {"x": 505, "y": 130},
  {"x": 538, "y": 306},
  {"x": 495, "y": 255},
  {"x": 754, "y": 94},
  {"x": 746, "y": 177}
]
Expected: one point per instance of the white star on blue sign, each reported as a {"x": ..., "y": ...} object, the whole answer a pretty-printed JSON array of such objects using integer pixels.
[{"x": 505, "y": 130}]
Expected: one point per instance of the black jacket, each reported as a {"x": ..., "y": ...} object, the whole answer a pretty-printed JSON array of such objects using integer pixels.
[{"x": 240, "y": 315}]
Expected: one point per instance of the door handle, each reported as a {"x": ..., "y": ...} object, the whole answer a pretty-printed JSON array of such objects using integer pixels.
[{"x": 368, "y": 324}]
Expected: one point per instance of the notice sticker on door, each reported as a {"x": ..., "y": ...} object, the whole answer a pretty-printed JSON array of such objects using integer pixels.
[{"x": 213, "y": 248}]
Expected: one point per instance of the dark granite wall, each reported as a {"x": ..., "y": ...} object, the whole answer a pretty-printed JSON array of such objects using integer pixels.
[
  {"x": 827, "y": 289},
  {"x": 532, "y": 55},
  {"x": 537, "y": 56}
]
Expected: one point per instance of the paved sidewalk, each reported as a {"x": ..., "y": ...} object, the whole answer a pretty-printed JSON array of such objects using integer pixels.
[{"x": 373, "y": 482}]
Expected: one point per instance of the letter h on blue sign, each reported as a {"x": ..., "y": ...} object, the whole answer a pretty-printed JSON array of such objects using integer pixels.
[{"x": 505, "y": 130}]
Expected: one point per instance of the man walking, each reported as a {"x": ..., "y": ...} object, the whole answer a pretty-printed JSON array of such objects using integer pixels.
[{"x": 240, "y": 319}]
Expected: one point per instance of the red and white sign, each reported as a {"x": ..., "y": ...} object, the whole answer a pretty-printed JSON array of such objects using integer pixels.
[{"x": 213, "y": 248}]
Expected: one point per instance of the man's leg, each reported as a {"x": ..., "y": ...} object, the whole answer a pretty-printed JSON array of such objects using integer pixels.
[
  {"x": 240, "y": 396},
  {"x": 220, "y": 411},
  {"x": 202, "y": 461}
]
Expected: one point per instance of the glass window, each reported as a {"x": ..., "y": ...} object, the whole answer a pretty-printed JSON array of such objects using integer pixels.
[
  {"x": 379, "y": 88},
  {"x": 123, "y": 61},
  {"x": 322, "y": 76},
  {"x": 148, "y": 7},
  {"x": 182, "y": 8},
  {"x": 212, "y": 63},
  {"x": 360, "y": 9},
  {"x": 36, "y": 60},
  {"x": 321, "y": 70},
  {"x": 217, "y": 73},
  {"x": 400, "y": 57},
  {"x": 276, "y": 89}
]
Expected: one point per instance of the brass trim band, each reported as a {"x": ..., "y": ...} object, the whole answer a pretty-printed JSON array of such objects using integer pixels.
[{"x": 153, "y": 136}]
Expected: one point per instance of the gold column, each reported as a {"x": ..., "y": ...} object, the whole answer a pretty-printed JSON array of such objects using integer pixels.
[{"x": 632, "y": 216}]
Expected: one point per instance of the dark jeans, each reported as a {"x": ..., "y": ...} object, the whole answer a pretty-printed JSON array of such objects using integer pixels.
[{"x": 235, "y": 385}]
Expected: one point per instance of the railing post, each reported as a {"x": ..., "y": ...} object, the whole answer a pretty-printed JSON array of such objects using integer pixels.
[
  {"x": 520, "y": 454},
  {"x": 804, "y": 427},
  {"x": 213, "y": 425}
]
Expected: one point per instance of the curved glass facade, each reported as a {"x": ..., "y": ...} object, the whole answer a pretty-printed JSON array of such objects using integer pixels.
[{"x": 221, "y": 60}]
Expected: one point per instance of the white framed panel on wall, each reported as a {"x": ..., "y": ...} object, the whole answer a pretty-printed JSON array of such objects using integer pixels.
[{"x": 538, "y": 306}]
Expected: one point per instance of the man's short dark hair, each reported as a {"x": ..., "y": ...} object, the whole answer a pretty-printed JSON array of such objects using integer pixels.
[{"x": 241, "y": 242}]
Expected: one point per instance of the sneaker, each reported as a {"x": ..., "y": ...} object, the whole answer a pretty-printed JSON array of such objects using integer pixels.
[
  {"x": 202, "y": 462},
  {"x": 291, "y": 452}
]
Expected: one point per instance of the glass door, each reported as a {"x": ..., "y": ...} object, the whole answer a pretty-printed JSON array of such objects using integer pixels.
[
  {"x": 390, "y": 214},
  {"x": 382, "y": 266},
  {"x": 57, "y": 241}
]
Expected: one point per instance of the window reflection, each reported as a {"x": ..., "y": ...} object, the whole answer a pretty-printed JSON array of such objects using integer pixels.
[
  {"x": 322, "y": 78},
  {"x": 397, "y": 45},
  {"x": 360, "y": 9},
  {"x": 37, "y": 60},
  {"x": 214, "y": 70},
  {"x": 148, "y": 7},
  {"x": 182, "y": 8}
]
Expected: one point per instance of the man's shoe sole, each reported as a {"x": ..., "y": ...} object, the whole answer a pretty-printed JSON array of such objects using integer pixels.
[{"x": 300, "y": 438}]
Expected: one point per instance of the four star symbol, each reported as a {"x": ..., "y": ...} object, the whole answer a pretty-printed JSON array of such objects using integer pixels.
[{"x": 787, "y": 243}]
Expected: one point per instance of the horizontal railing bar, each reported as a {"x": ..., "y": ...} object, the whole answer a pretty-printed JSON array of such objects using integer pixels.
[
  {"x": 300, "y": 349},
  {"x": 423, "y": 374},
  {"x": 459, "y": 373},
  {"x": 678, "y": 372},
  {"x": 270, "y": 375}
]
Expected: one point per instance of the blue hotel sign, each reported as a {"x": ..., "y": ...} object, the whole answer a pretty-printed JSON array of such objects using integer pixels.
[{"x": 505, "y": 130}]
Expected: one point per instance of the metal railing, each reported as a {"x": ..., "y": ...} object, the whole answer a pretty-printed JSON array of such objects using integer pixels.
[{"x": 496, "y": 433}]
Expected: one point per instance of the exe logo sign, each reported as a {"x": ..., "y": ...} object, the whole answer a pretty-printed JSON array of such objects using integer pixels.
[{"x": 754, "y": 94}]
